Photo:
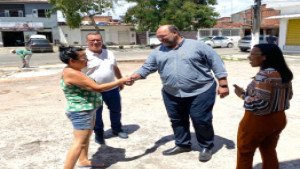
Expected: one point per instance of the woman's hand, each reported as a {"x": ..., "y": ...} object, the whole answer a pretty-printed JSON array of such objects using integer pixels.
[
  {"x": 127, "y": 81},
  {"x": 240, "y": 92}
]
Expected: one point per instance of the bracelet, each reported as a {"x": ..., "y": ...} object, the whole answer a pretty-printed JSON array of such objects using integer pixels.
[
  {"x": 224, "y": 86},
  {"x": 242, "y": 96}
]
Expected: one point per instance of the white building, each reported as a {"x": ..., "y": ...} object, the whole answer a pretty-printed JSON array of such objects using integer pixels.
[
  {"x": 111, "y": 34},
  {"x": 289, "y": 26}
]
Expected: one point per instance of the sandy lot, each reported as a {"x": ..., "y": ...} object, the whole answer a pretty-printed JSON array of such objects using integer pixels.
[{"x": 36, "y": 134}]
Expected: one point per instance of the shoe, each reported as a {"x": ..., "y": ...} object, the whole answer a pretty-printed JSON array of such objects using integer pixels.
[
  {"x": 176, "y": 150},
  {"x": 205, "y": 155},
  {"x": 99, "y": 139},
  {"x": 121, "y": 134}
]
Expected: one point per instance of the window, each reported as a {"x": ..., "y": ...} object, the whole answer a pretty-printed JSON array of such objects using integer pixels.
[
  {"x": 204, "y": 33},
  {"x": 235, "y": 32},
  {"x": 13, "y": 13},
  {"x": 226, "y": 32},
  {"x": 215, "y": 32},
  {"x": 42, "y": 13},
  {"x": 39, "y": 13}
]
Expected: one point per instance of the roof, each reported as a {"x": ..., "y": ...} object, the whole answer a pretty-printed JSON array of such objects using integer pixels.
[
  {"x": 280, "y": 5},
  {"x": 230, "y": 25},
  {"x": 285, "y": 16},
  {"x": 24, "y": 1}
]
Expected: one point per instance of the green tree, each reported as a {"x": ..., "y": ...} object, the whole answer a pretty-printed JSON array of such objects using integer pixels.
[
  {"x": 185, "y": 14},
  {"x": 75, "y": 10}
]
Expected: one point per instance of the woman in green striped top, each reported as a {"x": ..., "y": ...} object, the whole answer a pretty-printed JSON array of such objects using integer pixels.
[{"x": 83, "y": 98}]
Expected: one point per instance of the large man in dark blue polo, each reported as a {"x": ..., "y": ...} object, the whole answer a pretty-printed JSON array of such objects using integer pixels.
[{"x": 189, "y": 87}]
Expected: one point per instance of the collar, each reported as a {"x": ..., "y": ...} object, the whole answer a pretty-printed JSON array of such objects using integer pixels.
[
  {"x": 180, "y": 44},
  {"x": 176, "y": 47},
  {"x": 91, "y": 52}
]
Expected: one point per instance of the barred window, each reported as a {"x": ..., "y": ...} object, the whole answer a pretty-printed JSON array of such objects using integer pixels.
[
  {"x": 226, "y": 32},
  {"x": 215, "y": 33},
  {"x": 204, "y": 33},
  {"x": 235, "y": 32}
]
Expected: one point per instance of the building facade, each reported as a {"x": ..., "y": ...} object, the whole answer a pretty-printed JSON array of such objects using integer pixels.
[
  {"x": 240, "y": 24},
  {"x": 289, "y": 34},
  {"x": 19, "y": 19},
  {"x": 267, "y": 26},
  {"x": 111, "y": 34}
]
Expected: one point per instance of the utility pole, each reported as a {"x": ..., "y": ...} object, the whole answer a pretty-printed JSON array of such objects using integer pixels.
[{"x": 255, "y": 22}]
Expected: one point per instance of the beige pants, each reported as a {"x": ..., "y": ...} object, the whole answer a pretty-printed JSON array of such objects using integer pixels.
[{"x": 26, "y": 61}]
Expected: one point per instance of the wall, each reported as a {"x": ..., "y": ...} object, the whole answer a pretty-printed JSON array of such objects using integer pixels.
[
  {"x": 110, "y": 34},
  {"x": 141, "y": 38}
]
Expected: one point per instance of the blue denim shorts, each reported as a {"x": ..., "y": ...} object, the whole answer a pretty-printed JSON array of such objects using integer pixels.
[{"x": 82, "y": 120}]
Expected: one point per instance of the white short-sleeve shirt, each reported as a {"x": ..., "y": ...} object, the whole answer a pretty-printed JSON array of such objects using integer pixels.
[{"x": 100, "y": 67}]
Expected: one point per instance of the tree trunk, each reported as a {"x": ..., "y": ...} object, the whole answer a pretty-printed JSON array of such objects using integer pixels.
[{"x": 94, "y": 23}]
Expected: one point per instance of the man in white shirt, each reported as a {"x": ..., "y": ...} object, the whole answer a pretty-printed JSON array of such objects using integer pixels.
[{"x": 102, "y": 67}]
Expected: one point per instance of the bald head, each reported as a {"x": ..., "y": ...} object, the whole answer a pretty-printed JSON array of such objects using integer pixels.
[{"x": 168, "y": 35}]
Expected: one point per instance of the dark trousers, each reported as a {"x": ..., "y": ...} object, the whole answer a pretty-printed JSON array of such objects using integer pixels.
[
  {"x": 112, "y": 99},
  {"x": 199, "y": 108},
  {"x": 259, "y": 132}
]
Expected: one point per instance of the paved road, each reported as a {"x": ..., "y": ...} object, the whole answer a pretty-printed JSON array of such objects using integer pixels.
[
  {"x": 129, "y": 54},
  {"x": 10, "y": 60}
]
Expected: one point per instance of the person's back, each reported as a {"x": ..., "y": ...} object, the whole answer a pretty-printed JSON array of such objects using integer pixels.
[
  {"x": 24, "y": 54},
  {"x": 271, "y": 39}
]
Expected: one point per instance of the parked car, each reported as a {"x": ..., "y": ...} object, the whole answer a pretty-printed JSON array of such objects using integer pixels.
[
  {"x": 218, "y": 41},
  {"x": 37, "y": 36},
  {"x": 39, "y": 45},
  {"x": 245, "y": 43}
]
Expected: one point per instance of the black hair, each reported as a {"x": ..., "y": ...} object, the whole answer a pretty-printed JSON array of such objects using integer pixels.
[
  {"x": 66, "y": 53},
  {"x": 274, "y": 59}
]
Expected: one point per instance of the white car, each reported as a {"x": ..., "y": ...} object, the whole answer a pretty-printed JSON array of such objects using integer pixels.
[
  {"x": 218, "y": 41},
  {"x": 245, "y": 43}
]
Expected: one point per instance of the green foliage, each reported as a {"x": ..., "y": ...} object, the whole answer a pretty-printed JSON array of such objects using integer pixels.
[
  {"x": 185, "y": 14},
  {"x": 75, "y": 10}
]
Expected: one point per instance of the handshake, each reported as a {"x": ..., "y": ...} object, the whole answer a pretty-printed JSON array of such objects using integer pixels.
[{"x": 130, "y": 80}]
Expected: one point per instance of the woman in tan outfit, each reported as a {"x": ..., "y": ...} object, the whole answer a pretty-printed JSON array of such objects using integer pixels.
[{"x": 265, "y": 100}]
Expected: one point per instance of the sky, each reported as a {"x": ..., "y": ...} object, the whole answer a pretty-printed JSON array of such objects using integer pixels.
[{"x": 224, "y": 7}]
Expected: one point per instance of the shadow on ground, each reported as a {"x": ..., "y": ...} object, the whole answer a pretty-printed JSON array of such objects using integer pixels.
[
  {"x": 129, "y": 129},
  {"x": 113, "y": 155},
  {"x": 292, "y": 164}
]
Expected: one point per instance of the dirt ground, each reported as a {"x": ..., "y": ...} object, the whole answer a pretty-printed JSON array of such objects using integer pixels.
[{"x": 36, "y": 134}]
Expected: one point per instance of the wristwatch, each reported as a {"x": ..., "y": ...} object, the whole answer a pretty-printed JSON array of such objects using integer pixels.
[{"x": 224, "y": 86}]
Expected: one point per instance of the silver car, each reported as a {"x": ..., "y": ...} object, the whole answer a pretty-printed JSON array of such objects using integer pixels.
[
  {"x": 245, "y": 43},
  {"x": 218, "y": 41}
]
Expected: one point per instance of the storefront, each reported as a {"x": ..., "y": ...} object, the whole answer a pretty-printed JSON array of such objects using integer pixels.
[{"x": 16, "y": 33}]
